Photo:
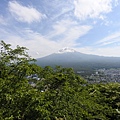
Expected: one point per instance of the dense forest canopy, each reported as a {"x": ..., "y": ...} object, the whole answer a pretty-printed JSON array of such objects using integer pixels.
[{"x": 58, "y": 94}]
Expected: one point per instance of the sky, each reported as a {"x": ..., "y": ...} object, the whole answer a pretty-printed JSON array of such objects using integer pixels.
[{"x": 46, "y": 26}]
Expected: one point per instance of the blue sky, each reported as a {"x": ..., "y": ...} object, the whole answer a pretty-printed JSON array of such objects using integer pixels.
[{"x": 45, "y": 26}]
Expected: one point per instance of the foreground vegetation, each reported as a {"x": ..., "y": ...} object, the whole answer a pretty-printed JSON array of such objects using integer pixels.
[{"x": 60, "y": 94}]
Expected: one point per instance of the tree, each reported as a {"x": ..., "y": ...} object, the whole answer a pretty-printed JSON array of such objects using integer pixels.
[
  {"x": 14, "y": 61},
  {"x": 107, "y": 95},
  {"x": 18, "y": 99}
]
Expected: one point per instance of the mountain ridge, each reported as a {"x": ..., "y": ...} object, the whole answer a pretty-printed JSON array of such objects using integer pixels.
[{"x": 68, "y": 57}]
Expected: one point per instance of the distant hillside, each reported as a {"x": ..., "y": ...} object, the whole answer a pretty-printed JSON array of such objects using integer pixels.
[{"x": 79, "y": 61}]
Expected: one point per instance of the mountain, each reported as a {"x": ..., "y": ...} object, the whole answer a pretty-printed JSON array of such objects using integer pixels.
[{"x": 68, "y": 57}]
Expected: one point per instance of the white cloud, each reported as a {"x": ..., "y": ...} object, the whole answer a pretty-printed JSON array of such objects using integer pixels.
[
  {"x": 113, "y": 38},
  {"x": 92, "y": 8},
  {"x": 107, "y": 51},
  {"x": 67, "y": 32},
  {"x": 38, "y": 45},
  {"x": 23, "y": 13}
]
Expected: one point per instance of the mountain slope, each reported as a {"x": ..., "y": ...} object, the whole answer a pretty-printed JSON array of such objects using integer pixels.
[{"x": 71, "y": 58}]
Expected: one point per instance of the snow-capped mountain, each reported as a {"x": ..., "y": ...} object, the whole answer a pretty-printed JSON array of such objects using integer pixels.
[
  {"x": 66, "y": 50},
  {"x": 68, "y": 57}
]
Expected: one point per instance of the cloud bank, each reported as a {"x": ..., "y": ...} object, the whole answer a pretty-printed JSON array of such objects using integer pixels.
[
  {"x": 85, "y": 9},
  {"x": 24, "y": 13}
]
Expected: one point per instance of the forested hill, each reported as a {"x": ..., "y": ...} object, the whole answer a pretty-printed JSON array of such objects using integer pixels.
[{"x": 58, "y": 94}]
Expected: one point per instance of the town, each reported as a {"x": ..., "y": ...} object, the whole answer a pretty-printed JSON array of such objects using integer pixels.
[{"x": 104, "y": 75}]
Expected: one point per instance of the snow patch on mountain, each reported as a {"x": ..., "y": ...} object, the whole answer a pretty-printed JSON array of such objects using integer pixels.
[{"x": 66, "y": 50}]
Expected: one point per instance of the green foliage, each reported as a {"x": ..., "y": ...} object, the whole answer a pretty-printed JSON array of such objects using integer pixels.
[
  {"x": 60, "y": 94},
  {"x": 18, "y": 99},
  {"x": 107, "y": 95},
  {"x": 13, "y": 62}
]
